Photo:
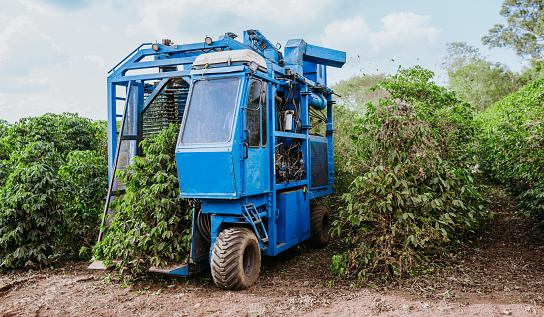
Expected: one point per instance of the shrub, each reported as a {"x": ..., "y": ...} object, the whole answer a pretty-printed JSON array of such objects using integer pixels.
[
  {"x": 32, "y": 217},
  {"x": 50, "y": 198},
  {"x": 84, "y": 177},
  {"x": 511, "y": 144},
  {"x": 412, "y": 197},
  {"x": 151, "y": 224},
  {"x": 67, "y": 132},
  {"x": 5, "y": 147}
]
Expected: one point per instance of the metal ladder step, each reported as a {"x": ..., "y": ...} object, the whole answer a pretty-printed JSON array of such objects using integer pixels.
[{"x": 252, "y": 216}]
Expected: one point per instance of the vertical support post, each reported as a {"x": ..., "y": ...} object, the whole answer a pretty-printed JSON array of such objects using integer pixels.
[
  {"x": 272, "y": 224},
  {"x": 304, "y": 110},
  {"x": 112, "y": 127},
  {"x": 305, "y": 95},
  {"x": 330, "y": 134},
  {"x": 140, "y": 115}
]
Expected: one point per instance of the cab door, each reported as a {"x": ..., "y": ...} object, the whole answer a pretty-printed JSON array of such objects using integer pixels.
[{"x": 255, "y": 154}]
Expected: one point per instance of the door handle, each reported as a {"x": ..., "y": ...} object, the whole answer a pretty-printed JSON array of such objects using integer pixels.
[{"x": 246, "y": 147}]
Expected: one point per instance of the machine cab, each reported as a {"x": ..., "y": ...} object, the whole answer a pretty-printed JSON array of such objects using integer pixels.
[{"x": 222, "y": 147}]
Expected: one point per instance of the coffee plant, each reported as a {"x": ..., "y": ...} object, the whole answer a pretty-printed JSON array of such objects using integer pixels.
[
  {"x": 84, "y": 179},
  {"x": 5, "y": 148},
  {"x": 31, "y": 223},
  {"x": 412, "y": 197},
  {"x": 52, "y": 185},
  {"x": 67, "y": 132},
  {"x": 511, "y": 144},
  {"x": 151, "y": 224}
]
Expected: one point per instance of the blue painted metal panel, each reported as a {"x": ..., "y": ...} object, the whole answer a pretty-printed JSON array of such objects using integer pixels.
[
  {"x": 315, "y": 72},
  {"x": 207, "y": 174},
  {"x": 324, "y": 56},
  {"x": 222, "y": 207},
  {"x": 294, "y": 215},
  {"x": 298, "y": 51},
  {"x": 256, "y": 172}
]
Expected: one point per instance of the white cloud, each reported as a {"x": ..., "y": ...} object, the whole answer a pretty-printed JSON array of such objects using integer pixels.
[
  {"x": 37, "y": 81},
  {"x": 31, "y": 5},
  {"x": 15, "y": 25},
  {"x": 94, "y": 59},
  {"x": 162, "y": 18},
  {"x": 400, "y": 33},
  {"x": 55, "y": 57}
]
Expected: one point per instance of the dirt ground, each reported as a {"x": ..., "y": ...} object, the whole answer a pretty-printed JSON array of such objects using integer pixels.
[{"x": 499, "y": 274}]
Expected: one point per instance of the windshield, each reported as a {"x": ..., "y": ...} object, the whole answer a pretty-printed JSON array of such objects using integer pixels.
[{"x": 211, "y": 111}]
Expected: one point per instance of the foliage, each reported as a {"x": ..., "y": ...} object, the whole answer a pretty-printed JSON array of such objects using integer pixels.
[
  {"x": 5, "y": 147},
  {"x": 4, "y": 126},
  {"x": 511, "y": 143},
  {"x": 84, "y": 179},
  {"x": 483, "y": 83},
  {"x": 67, "y": 132},
  {"x": 151, "y": 224},
  {"x": 31, "y": 222},
  {"x": 460, "y": 54},
  {"x": 343, "y": 147},
  {"x": 356, "y": 92},
  {"x": 524, "y": 31},
  {"x": 412, "y": 196},
  {"x": 535, "y": 72},
  {"x": 352, "y": 96},
  {"x": 480, "y": 82},
  {"x": 49, "y": 193},
  {"x": 101, "y": 136}
]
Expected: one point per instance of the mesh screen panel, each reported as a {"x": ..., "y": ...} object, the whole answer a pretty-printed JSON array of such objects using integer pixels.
[{"x": 320, "y": 163}]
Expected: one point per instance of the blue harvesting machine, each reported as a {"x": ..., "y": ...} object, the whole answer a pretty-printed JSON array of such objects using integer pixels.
[{"x": 255, "y": 146}]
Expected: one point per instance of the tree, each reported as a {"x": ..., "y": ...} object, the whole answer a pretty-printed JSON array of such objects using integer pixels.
[
  {"x": 480, "y": 82},
  {"x": 460, "y": 54},
  {"x": 483, "y": 83},
  {"x": 524, "y": 31},
  {"x": 535, "y": 72}
]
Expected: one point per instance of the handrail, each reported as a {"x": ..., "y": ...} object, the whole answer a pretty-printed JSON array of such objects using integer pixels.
[{"x": 128, "y": 56}]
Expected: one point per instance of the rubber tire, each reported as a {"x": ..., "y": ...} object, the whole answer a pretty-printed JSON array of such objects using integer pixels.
[
  {"x": 236, "y": 259},
  {"x": 320, "y": 225}
]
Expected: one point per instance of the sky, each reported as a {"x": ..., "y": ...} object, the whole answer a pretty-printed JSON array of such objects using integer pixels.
[{"x": 55, "y": 54}]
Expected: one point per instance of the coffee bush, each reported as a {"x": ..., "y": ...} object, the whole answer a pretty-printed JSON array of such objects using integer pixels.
[
  {"x": 511, "y": 144},
  {"x": 52, "y": 187},
  {"x": 151, "y": 224},
  {"x": 412, "y": 197}
]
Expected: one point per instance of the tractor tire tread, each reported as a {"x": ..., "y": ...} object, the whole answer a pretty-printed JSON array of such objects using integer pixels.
[
  {"x": 227, "y": 258},
  {"x": 318, "y": 215}
]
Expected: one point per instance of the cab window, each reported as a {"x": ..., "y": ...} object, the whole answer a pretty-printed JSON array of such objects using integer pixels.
[{"x": 253, "y": 114}]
